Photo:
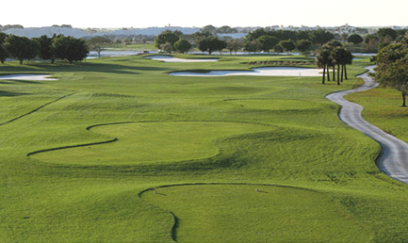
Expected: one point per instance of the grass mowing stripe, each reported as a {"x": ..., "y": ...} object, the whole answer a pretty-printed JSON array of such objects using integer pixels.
[{"x": 35, "y": 110}]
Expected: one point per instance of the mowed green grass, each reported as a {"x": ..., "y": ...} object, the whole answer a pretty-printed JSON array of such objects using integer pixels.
[
  {"x": 152, "y": 142},
  {"x": 257, "y": 212},
  {"x": 229, "y": 131}
]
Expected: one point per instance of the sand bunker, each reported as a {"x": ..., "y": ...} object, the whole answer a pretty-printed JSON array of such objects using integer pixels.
[
  {"x": 174, "y": 59},
  {"x": 267, "y": 71},
  {"x": 34, "y": 77}
]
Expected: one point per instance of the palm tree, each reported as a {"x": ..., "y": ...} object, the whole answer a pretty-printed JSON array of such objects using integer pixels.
[
  {"x": 323, "y": 61},
  {"x": 349, "y": 60}
]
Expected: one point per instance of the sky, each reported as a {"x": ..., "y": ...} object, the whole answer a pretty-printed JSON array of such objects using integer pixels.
[{"x": 192, "y": 13}]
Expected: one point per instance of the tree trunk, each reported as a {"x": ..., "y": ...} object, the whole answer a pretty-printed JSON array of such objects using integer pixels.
[
  {"x": 338, "y": 74},
  {"x": 21, "y": 61},
  {"x": 403, "y": 99},
  {"x": 345, "y": 72},
  {"x": 324, "y": 74},
  {"x": 334, "y": 72},
  {"x": 342, "y": 72},
  {"x": 328, "y": 73}
]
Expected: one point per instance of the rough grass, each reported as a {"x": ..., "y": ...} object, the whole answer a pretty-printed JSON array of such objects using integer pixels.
[{"x": 263, "y": 131}]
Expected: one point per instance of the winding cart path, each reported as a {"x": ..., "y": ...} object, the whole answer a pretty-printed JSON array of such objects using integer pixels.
[{"x": 393, "y": 160}]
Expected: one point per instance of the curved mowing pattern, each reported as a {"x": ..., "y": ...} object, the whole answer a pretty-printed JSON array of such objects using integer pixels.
[
  {"x": 149, "y": 142},
  {"x": 393, "y": 160},
  {"x": 253, "y": 213}
]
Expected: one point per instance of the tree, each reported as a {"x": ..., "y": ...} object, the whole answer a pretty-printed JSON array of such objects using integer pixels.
[
  {"x": 3, "y": 53},
  {"x": 46, "y": 51},
  {"x": 20, "y": 48},
  {"x": 253, "y": 46},
  {"x": 225, "y": 30},
  {"x": 288, "y": 45},
  {"x": 303, "y": 46},
  {"x": 211, "y": 44},
  {"x": 98, "y": 44},
  {"x": 392, "y": 66},
  {"x": 253, "y": 35},
  {"x": 323, "y": 60},
  {"x": 70, "y": 48},
  {"x": 209, "y": 28},
  {"x": 386, "y": 36},
  {"x": 267, "y": 42},
  {"x": 278, "y": 48},
  {"x": 166, "y": 36},
  {"x": 355, "y": 39},
  {"x": 182, "y": 46},
  {"x": 234, "y": 45},
  {"x": 321, "y": 36}
]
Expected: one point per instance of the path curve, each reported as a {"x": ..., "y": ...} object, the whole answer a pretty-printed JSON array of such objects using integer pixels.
[{"x": 393, "y": 159}]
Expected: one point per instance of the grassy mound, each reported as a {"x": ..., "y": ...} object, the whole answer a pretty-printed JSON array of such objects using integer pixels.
[{"x": 254, "y": 213}]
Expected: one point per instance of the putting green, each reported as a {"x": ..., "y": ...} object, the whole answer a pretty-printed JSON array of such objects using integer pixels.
[
  {"x": 254, "y": 213},
  {"x": 149, "y": 142}
]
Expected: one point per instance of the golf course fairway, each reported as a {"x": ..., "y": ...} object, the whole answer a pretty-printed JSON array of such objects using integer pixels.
[{"x": 117, "y": 150}]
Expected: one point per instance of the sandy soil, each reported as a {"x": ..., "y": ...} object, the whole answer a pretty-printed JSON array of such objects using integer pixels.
[
  {"x": 174, "y": 59},
  {"x": 34, "y": 77},
  {"x": 267, "y": 71}
]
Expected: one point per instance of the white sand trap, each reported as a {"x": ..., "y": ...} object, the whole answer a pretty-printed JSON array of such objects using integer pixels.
[
  {"x": 175, "y": 59},
  {"x": 267, "y": 71},
  {"x": 33, "y": 77}
]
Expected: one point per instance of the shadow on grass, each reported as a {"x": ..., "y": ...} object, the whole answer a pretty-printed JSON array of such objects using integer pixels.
[
  {"x": 11, "y": 94},
  {"x": 78, "y": 67}
]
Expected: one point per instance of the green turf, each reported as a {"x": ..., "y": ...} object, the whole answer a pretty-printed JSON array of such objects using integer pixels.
[
  {"x": 76, "y": 155},
  {"x": 257, "y": 212}
]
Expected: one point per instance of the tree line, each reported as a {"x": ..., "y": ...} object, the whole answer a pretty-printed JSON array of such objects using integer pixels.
[
  {"x": 47, "y": 48},
  {"x": 392, "y": 65}
]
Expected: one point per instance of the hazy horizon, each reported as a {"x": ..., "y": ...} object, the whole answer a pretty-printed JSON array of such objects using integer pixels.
[{"x": 189, "y": 13}]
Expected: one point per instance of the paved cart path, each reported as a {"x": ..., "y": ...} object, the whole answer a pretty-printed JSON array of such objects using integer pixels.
[{"x": 393, "y": 159}]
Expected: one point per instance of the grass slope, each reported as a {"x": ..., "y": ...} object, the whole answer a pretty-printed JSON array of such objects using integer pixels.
[{"x": 236, "y": 132}]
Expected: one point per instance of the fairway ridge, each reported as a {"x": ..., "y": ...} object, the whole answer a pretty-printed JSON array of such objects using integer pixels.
[
  {"x": 140, "y": 142},
  {"x": 260, "y": 212},
  {"x": 393, "y": 160}
]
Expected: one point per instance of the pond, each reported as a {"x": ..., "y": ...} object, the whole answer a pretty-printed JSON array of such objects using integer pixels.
[{"x": 265, "y": 71}]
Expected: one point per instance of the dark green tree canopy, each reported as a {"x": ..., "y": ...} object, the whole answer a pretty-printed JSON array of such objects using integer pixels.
[
  {"x": 46, "y": 51},
  {"x": 303, "y": 46},
  {"x": 355, "y": 39},
  {"x": 253, "y": 46},
  {"x": 234, "y": 45},
  {"x": 182, "y": 46},
  {"x": 3, "y": 53},
  {"x": 267, "y": 42},
  {"x": 288, "y": 45},
  {"x": 166, "y": 36},
  {"x": 321, "y": 36},
  {"x": 211, "y": 44},
  {"x": 20, "y": 48},
  {"x": 392, "y": 66},
  {"x": 70, "y": 48}
]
